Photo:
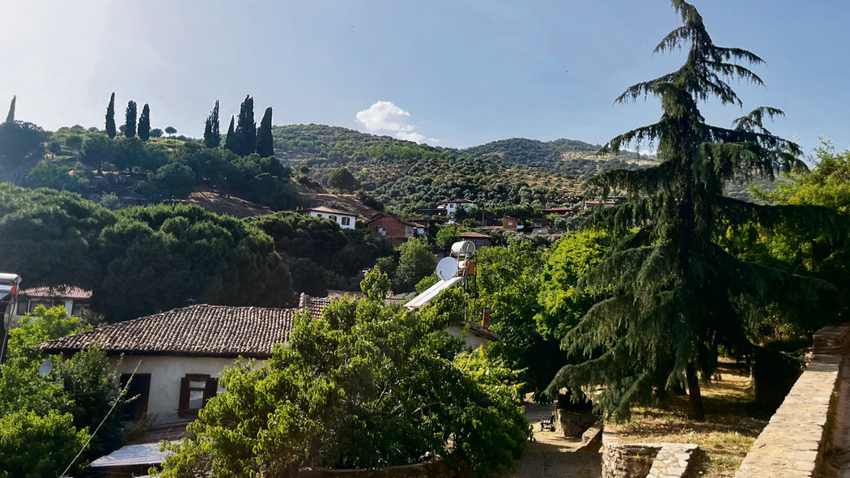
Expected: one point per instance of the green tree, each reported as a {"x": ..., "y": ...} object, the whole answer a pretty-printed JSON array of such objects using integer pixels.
[
  {"x": 230, "y": 139},
  {"x": 669, "y": 293},
  {"x": 110, "y": 117},
  {"x": 265, "y": 142},
  {"x": 39, "y": 446},
  {"x": 156, "y": 133},
  {"x": 245, "y": 136},
  {"x": 415, "y": 263},
  {"x": 50, "y": 237},
  {"x": 170, "y": 130},
  {"x": 343, "y": 179},
  {"x": 366, "y": 387},
  {"x": 10, "y": 117},
  {"x": 212, "y": 129},
  {"x": 171, "y": 181},
  {"x": 96, "y": 151},
  {"x": 21, "y": 144},
  {"x": 145, "y": 123},
  {"x": 130, "y": 119}
]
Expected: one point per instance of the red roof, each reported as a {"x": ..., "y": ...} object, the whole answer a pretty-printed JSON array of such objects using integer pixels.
[
  {"x": 62, "y": 291},
  {"x": 314, "y": 306},
  {"x": 198, "y": 330}
]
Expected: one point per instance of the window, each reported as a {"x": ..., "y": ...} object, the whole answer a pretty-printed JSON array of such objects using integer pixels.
[
  {"x": 36, "y": 302},
  {"x": 318, "y": 215},
  {"x": 140, "y": 387},
  {"x": 195, "y": 392},
  {"x": 346, "y": 221},
  {"x": 78, "y": 309},
  {"x": 332, "y": 218}
]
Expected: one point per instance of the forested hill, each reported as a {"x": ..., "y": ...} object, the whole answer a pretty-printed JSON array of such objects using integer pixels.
[
  {"x": 406, "y": 175},
  {"x": 567, "y": 156}
]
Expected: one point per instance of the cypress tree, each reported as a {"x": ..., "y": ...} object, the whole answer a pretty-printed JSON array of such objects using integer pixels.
[
  {"x": 145, "y": 123},
  {"x": 669, "y": 295},
  {"x": 245, "y": 141},
  {"x": 229, "y": 141},
  {"x": 10, "y": 118},
  {"x": 130, "y": 119},
  {"x": 265, "y": 142},
  {"x": 110, "y": 117},
  {"x": 212, "y": 131}
]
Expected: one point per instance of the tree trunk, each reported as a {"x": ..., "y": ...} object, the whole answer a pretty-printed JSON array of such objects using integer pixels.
[{"x": 697, "y": 412}]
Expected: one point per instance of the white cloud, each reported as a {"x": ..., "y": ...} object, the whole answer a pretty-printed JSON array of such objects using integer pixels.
[{"x": 385, "y": 116}]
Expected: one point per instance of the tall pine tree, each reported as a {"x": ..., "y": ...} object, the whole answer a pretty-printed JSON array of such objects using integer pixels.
[
  {"x": 230, "y": 139},
  {"x": 212, "y": 131},
  {"x": 10, "y": 118},
  {"x": 145, "y": 123},
  {"x": 130, "y": 119},
  {"x": 669, "y": 294},
  {"x": 245, "y": 140},
  {"x": 110, "y": 117},
  {"x": 265, "y": 142}
]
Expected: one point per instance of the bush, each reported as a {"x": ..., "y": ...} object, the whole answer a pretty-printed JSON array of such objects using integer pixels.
[
  {"x": 39, "y": 446},
  {"x": 171, "y": 181}
]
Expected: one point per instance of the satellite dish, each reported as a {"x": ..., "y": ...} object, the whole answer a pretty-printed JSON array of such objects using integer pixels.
[
  {"x": 45, "y": 368},
  {"x": 463, "y": 248},
  {"x": 446, "y": 268}
]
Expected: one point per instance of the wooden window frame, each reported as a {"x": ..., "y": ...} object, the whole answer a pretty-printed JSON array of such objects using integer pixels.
[
  {"x": 346, "y": 221},
  {"x": 210, "y": 390}
]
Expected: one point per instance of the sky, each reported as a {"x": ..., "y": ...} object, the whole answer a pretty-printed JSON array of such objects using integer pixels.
[{"x": 452, "y": 73}]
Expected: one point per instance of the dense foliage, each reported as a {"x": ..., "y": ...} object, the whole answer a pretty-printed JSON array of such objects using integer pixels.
[
  {"x": 46, "y": 420},
  {"x": 670, "y": 295},
  {"x": 366, "y": 386}
]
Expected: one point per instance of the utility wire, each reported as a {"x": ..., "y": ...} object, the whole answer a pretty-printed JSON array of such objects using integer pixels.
[{"x": 117, "y": 399}]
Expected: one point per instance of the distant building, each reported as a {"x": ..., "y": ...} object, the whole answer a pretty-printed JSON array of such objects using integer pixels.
[
  {"x": 345, "y": 219},
  {"x": 74, "y": 299},
  {"x": 391, "y": 228},
  {"x": 510, "y": 223},
  {"x": 456, "y": 204},
  {"x": 480, "y": 240},
  {"x": 595, "y": 203},
  {"x": 559, "y": 211}
]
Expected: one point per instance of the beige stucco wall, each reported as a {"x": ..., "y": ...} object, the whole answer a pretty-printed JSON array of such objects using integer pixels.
[
  {"x": 472, "y": 341},
  {"x": 166, "y": 373}
]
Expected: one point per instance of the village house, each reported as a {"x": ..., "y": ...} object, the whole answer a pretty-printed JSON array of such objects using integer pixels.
[
  {"x": 480, "y": 240},
  {"x": 508, "y": 223},
  {"x": 559, "y": 211},
  {"x": 456, "y": 204},
  {"x": 75, "y": 300},
  {"x": 395, "y": 230},
  {"x": 345, "y": 219},
  {"x": 177, "y": 355}
]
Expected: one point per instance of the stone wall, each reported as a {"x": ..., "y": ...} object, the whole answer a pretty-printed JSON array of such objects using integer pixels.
[
  {"x": 572, "y": 424},
  {"x": 422, "y": 470},
  {"x": 793, "y": 444},
  {"x": 644, "y": 460}
]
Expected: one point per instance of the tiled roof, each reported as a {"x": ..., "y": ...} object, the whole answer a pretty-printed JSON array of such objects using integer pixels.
[
  {"x": 474, "y": 235},
  {"x": 198, "y": 330},
  {"x": 329, "y": 210},
  {"x": 313, "y": 305},
  {"x": 460, "y": 201},
  {"x": 480, "y": 331},
  {"x": 63, "y": 291}
]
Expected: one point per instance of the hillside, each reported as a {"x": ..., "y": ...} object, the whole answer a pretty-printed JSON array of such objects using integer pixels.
[{"x": 405, "y": 175}]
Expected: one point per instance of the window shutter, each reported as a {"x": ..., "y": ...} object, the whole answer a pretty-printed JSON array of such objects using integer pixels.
[
  {"x": 211, "y": 390},
  {"x": 183, "y": 407}
]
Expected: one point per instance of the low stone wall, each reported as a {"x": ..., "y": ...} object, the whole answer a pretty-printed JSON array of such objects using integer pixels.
[
  {"x": 793, "y": 444},
  {"x": 644, "y": 460},
  {"x": 572, "y": 424},
  {"x": 591, "y": 439},
  {"x": 422, "y": 470}
]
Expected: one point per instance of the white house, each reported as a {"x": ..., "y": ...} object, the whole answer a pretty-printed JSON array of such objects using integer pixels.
[
  {"x": 181, "y": 353},
  {"x": 455, "y": 204},
  {"x": 74, "y": 299},
  {"x": 345, "y": 219}
]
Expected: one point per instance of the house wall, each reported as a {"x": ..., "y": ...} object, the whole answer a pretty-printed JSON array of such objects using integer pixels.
[
  {"x": 23, "y": 305},
  {"x": 394, "y": 227},
  {"x": 472, "y": 341},
  {"x": 339, "y": 219},
  {"x": 166, "y": 372}
]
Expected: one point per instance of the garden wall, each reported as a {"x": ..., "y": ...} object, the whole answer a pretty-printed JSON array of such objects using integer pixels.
[
  {"x": 644, "y": 460},
  {"x": 811, "y": 420}
]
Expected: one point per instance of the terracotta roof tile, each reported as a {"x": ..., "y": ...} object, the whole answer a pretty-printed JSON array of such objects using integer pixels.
[
  {"x": 64, "y": 291},
  {"x": 330, "y": 210},
  {"x": 313, "y": 305},
  {"x": 198, "y": 330}
]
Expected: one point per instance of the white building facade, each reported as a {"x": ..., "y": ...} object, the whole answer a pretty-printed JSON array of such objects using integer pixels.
[{"x": 344, "y": 219}]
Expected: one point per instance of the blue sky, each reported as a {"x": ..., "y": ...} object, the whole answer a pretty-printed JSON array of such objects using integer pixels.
[{"x": 451, "y": 73}]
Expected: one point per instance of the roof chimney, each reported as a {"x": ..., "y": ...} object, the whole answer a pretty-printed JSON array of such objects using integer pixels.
[
  {"x": 190, "y": 302},
  {"x": 486, "y": 318}
]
